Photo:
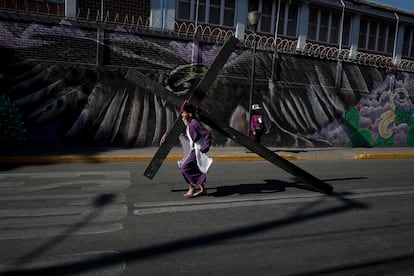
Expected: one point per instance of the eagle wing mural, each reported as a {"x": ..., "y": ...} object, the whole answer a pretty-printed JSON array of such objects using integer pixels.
[{"x": 51, "y": 74}]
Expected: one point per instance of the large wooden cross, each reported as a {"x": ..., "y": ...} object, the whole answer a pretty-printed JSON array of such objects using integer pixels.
[{"x": 196, "y": 97}]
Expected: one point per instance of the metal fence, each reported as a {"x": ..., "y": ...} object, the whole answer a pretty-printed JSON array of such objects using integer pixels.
[{"x": 218, "y": 35}]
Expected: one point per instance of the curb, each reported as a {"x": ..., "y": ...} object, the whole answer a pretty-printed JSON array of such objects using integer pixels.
[
  {"x": 384, "y": 156},
  {"x": 173, "y": 158},
  {"x": 115, "y": 158}
]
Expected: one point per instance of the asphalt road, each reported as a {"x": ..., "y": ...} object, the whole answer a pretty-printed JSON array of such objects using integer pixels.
[{"x": 108, "y": 219}]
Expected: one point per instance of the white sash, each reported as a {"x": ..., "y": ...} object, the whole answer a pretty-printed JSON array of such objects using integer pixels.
[{"x": 203, "y": 161}]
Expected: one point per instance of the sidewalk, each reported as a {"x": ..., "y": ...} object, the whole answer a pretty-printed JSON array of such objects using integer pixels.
[{"x": 102, "y": 154}]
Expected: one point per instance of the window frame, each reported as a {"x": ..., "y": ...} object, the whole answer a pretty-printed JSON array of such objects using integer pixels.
[
  {"x": 285, "y": 18},
  {"x": 346, "y": 31},
  {"x": 408, "y": 42},
  {"x": 223, "y": 11},
  {"x": 370, "y": 36},
  {"x": 52, "y": 1}
]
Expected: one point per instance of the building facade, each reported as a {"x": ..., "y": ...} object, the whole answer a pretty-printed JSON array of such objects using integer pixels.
[
  {"x": 357, "y": 25},
  {"x": 334, "y": 74}
]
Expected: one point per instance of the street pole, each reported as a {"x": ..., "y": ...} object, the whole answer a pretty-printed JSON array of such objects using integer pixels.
[
  {"x": 102, "y": 10},
  {"x": 252, "y": 84},
  {"x": 253, "y": 18}
]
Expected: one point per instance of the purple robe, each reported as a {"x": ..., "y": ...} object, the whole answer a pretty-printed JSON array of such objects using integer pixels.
[{"x": 197, "y": 144}]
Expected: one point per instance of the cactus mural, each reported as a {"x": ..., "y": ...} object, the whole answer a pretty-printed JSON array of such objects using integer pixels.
[
  {"x": 383, "y": 118},
  {"x": 12, "y": 130}
]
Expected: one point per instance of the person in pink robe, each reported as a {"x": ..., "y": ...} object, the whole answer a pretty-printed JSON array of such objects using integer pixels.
[{"x": 257, "y": 126}]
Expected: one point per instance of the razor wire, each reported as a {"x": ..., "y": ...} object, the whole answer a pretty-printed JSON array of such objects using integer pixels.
[
  {"x": 325, "y": 52},
  {"x": 219, "y": 35}
]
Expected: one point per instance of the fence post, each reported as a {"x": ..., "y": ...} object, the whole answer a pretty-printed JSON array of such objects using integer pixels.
[{"x": 100, "y": 40}]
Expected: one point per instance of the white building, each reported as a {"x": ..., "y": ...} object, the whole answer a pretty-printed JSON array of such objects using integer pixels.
[{"x": 357, "y": 25}]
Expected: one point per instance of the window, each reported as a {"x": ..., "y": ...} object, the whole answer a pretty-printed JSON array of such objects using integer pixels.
[
  {"x": 292, "y": 19},
  {"x": 362, "y": 34},
  {"x": 375, "y": 36},
  {"x": 408, "y": 44},
  {"x": 214, "y": 12},
  {"x": 372, "y": 35},
  {"x": 346, "y": 30},
  {"x": 53, "y": 1},
  {"x": 215, "y": 6},
  {"x": 313, "y": 30},
  {"x": 201, "y": 11},
  {"x": 288, "y": 16},
  {"x": 266, "y": 18},
  {"x": 390, "y": 38},
  {"x": 335, "y": 22},
  {"x": 324, "y": 26},
  {"x": 324, "y": 23},
  {"x": 229, "y": 12}
]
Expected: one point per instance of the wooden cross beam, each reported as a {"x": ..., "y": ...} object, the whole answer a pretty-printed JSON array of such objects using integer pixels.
[{"x": 196, "y": 97}]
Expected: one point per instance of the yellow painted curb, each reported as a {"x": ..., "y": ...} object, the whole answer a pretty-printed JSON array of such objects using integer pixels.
[
  {"x": 123, "y": 158},
  {"x": 173, "y": 158},
  {"x": 301, "y": 158},
  {"x": 73, "y": 159},
  {"x": 384, "y": 156}
]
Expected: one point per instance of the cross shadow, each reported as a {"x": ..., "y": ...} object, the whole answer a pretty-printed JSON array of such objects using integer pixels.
[
  {"x": 269, "y": 187},
  {"x": 99, "y": 202},
  {"x": 360, "y": 267},
  {"x": 302, "y": 214}
]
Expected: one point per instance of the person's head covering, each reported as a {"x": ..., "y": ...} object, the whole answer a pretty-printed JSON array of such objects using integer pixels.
[
  {"x": 188, "y": 107},
  {"x": 256, "y": 107}
]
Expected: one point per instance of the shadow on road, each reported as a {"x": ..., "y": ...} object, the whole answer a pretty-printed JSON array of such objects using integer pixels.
[
  {"x": 99, "y": 203},
  {"x": 268, "y": 187},
  {"x": 156, "y": 250},
  {"x": 402, "y": 263}
]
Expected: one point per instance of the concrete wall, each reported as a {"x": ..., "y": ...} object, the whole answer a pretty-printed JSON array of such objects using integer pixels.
[{"x": 64, "y": 83}]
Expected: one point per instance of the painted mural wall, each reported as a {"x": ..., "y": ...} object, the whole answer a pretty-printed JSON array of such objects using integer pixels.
[{"x": 64, "y": 84}]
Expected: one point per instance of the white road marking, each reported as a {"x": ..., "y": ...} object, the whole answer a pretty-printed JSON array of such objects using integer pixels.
[
  {"x": 8, "y": 184},
  {"x": 214, "y": 203},
  {"x": 72, "y": 199},
  {"x": 103, "y": 213},
  {"x": 54, "y": 231},
  {"x": 95, "y": 259},
  {"x": 49, "y": 175},
  {"x": 95, "y": 201},
  {"x": 94, "y": 184}
]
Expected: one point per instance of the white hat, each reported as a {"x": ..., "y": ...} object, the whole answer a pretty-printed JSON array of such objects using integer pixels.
[{"x": 256, "y": 107}]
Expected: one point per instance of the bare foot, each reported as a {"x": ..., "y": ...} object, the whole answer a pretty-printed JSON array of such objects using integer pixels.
[
  {"x": 189, "y": 194},
  {"x": 199, "y": 193}
]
